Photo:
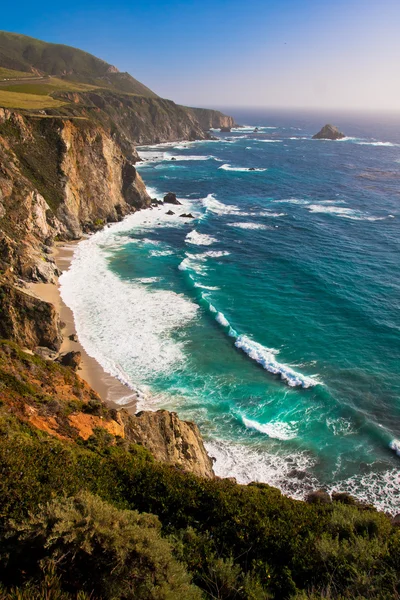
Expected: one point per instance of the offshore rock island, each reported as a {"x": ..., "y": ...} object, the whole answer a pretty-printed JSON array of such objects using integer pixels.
[
  {"x": 329, "y": 132},
  {"x": 99, "y": 502}
]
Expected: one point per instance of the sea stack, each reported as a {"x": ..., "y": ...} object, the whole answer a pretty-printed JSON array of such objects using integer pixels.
[{"x": 329, "y": 132}]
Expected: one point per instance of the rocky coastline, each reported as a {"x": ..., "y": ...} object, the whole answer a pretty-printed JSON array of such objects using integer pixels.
[{"x": 60, "y": 179}]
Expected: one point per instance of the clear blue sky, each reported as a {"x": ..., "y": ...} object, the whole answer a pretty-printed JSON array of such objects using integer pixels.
[{"x": 294, "y": 53}]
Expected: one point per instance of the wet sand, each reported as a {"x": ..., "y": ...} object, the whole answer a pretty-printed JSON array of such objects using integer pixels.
[{"x": 108, "y": 387}]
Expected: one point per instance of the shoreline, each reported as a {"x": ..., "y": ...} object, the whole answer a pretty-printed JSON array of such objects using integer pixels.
[{"x": 109, "y": 388}]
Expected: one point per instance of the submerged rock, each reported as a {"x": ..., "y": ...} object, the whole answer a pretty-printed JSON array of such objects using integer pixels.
[
  {"x": 187, "y": 215},
  {"x": 329, "y": 132},
  {"x": 171, "y": 198},
  {"x": 170, "y": 212}
]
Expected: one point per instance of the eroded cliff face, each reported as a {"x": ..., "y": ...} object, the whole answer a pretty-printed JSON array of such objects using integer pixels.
[
  {"x": 170, "y": 440},
  {"x": 211, "y": 119},
  {"x": 59, "y": 177},
  {"x": 27, "y": 320},
  {"x": 139, "y": 120}
]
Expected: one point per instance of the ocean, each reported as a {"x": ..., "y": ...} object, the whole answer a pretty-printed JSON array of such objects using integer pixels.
[{"x": 271, "y": 319}]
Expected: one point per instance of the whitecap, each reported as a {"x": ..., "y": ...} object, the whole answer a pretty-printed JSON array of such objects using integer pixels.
[
  {"x": 218, "y": 208},
  {"x": 270, "y": 141},
  {"x": 199, "y": 239},
  {"x": 395, "y": 445},
  {"x": 346, "y": 213},
  {"x": 299, "y": 201},
  {"x": 266, "y": 358},
  {"x": 156, "y": 253},
  {"x": 222, "y": 320},
  {"x": 249, "y": 225},
  {"x": 387, "y": 144},
  {"x": 274, "y": 429},
  {"x": 211, "y": 288},
  {"x": 228, "y": 167}
]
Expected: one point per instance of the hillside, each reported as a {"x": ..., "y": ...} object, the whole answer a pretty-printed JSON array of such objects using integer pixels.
[{"x": 31, "y": 56}]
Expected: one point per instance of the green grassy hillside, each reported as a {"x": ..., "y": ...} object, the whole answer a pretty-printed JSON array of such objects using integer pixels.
[{"x": 32, "y": 56}]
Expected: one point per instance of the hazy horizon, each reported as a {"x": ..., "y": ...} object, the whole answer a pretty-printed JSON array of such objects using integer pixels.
[{"x": 290, "y": 54}]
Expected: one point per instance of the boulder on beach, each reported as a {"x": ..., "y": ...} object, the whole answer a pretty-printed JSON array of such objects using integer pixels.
[
  {"x": 329, "y": 132},
  {"x": 171, "y": 198},
  {"x": 70, "y": 359}
]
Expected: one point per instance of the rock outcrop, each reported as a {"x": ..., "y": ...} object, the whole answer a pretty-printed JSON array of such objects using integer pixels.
[
  {"x": 170, "y": 440},
  {"x": 329, "y": 132},
  {"x": 171, "y": 198},
  {"x": 27, "y": 320}
]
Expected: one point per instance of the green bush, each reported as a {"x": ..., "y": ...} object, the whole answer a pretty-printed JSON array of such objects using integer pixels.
[{"x": 101, "y": 550}]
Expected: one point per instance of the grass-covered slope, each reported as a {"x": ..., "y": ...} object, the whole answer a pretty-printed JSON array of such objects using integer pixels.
[
  {"x": 100, "y": 518},
  {"x": 32, "y": 56}
]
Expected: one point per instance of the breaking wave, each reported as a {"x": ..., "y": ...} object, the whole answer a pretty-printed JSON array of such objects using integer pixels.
[
  {"x": 249, "y": 225},
  {"x": 275, "y": 429},
  {"x": 346, "y": 213},
  {"x": 199, "y": 239},
  {"x": 228, "y": 167}
]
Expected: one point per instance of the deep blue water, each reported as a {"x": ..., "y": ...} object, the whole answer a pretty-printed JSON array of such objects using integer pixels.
[{"x": 272, "y": 318}]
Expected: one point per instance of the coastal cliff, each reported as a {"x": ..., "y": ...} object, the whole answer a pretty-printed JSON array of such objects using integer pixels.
[
  {"x": 59, "y": 178},
  {"x": 54, "y": 399}
]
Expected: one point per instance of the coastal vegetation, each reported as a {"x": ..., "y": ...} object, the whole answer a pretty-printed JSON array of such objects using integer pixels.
[{"x": 100, "y": 518}]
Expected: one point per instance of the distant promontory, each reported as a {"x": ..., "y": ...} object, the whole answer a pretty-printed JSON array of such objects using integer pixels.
[{"x": 329, "y": 132}]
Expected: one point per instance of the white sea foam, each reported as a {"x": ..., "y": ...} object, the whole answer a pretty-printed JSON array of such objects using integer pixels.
[
  {"x": 182, "y": 157},
  {"x": 266, "y": 357},
  {"x": 249, "y": 225},
  {"x": 249, "y": 463},
  {"x": 274, "y": 429},
  {"x": 271, "y": 141},
  {"x": 378, "y": 488},
  {"x": 300, "y": 201},
  {"x": 387, "y": 144},
  {"x": 228, "y": 167},
  {"x": 148, "y": 279},
  {"x": 160, "y": 253},
  {"x": 199, "y": 239},
  {"x": 211, "y": 288},
  {"x": 346, "y": 213},
  {"x": 218, "y": 208},
  {"x": 126, "y": 326},
  {"x": 211, "y": 254}
]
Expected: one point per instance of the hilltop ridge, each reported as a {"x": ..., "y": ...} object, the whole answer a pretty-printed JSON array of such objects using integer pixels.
[{"x": 25, "y": 54}]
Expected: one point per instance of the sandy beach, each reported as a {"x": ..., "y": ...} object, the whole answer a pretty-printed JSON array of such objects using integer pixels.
[{"x": 109, "y": 388}]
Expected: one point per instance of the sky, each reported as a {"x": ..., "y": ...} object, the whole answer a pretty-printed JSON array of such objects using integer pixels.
[{"x": 342, "y": 54}]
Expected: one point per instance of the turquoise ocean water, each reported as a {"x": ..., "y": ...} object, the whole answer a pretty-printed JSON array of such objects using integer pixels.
[{"x": 272, "y": 318}]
